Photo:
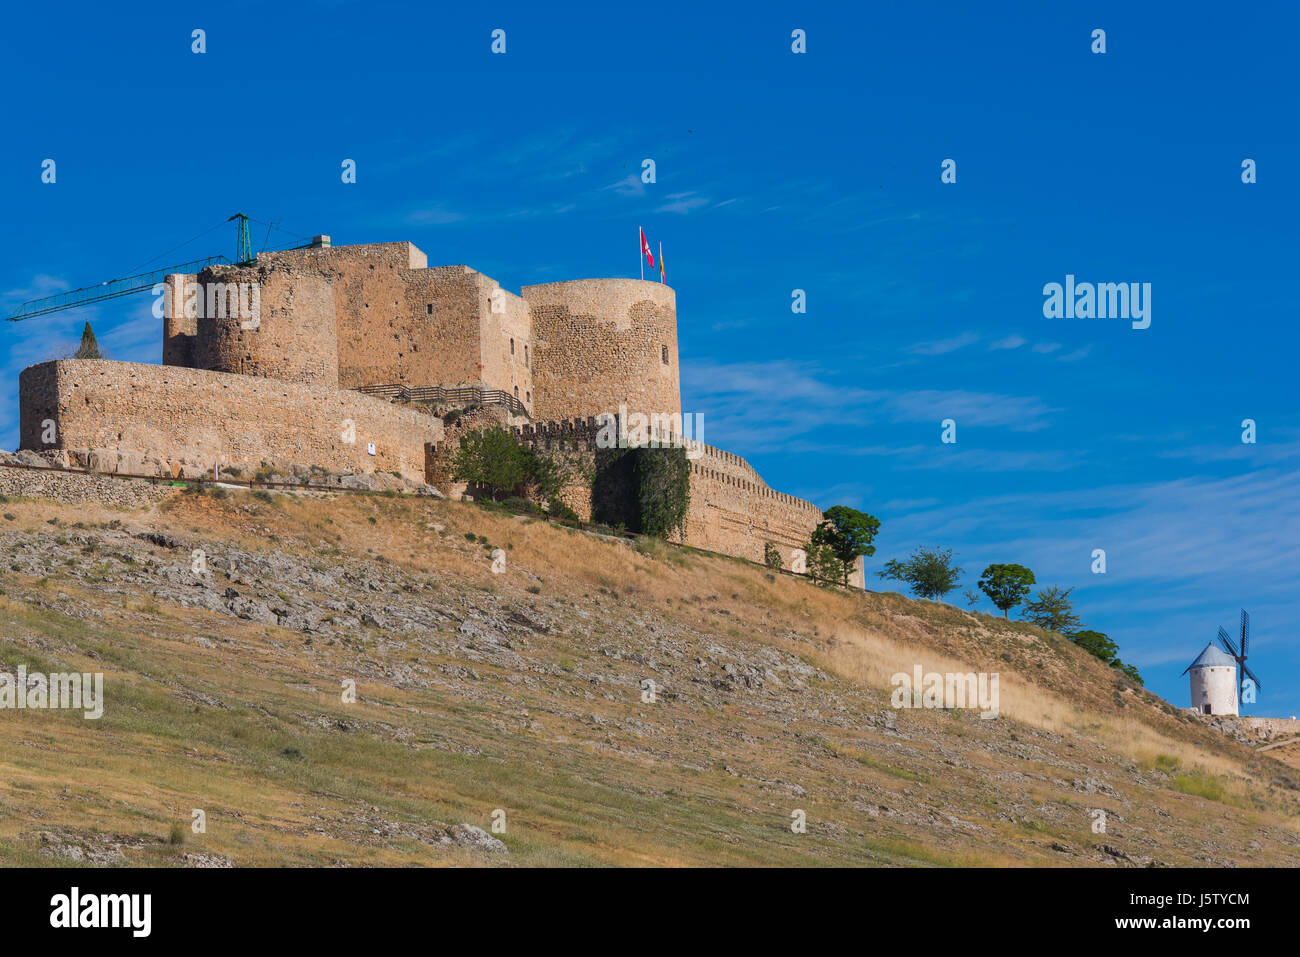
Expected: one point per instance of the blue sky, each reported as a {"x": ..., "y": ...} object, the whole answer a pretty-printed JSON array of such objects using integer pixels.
[{"x": 776, "y": 172}]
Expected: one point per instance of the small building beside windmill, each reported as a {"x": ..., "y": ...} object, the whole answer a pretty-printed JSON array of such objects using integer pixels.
[{"x": 1213, "y": 677}]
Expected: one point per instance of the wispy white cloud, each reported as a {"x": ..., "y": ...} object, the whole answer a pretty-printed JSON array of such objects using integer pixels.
[
  {"x": 40, "y": 286},
  {"x": 435, "y": 215},
  {"x": 1010, "y": 342},
  {"x": 941, "y": 346},
  {"x": 774, "y": 403},
  {"x": 683, "y": 203},
  {"x": 1019, "y": 413},
  {"x": 629, "y": 185}
]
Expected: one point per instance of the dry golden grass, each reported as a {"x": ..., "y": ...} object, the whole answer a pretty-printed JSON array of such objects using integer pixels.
[{"x": 711, "y": 781}]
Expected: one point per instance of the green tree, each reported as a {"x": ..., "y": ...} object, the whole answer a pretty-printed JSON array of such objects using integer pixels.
[
  {"x": 1006, "y": 585},
  {"x": 546, "y": 476},
  {"x": 772, "y": 556},
  {"x": 492, "y": 459},
  {"x": 1095, "y": 643},
  {"x": 849, "y": 534},
  {"x": 1053, "y": 610},
  {"x": 823, "y": 564},
  {"x": 929, "y": 572},
  {"x": 89, "y": 348}
]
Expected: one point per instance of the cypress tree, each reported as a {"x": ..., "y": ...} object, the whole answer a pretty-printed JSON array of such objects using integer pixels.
[{"x": 89, "y": 348}]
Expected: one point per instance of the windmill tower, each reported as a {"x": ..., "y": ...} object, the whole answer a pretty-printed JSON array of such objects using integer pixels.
[
  {"x": 1231, "y": 648},
  {"x": 1213, "y": 681}
]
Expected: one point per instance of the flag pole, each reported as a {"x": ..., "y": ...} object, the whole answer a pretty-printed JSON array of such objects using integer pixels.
[
  {"x": 661, "y": 261},
  {"x": 640, "y": 250}
]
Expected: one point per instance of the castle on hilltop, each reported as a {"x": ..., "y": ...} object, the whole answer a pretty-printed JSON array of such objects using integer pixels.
[{"x": 351, "y": 358}]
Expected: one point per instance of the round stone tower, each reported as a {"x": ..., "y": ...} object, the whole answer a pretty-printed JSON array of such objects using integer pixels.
[
  {"x": 1214, "y": 681},
  {"x": 276, "y": 323},
  {"x": 604, "y": 343}
]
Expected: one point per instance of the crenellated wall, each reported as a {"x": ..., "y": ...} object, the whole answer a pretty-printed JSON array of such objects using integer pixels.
[
  {"x": 732, "y": 510},
  {"x": 736, "y": 516}
]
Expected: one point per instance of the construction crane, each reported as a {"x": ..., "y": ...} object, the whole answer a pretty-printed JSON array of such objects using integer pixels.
[{"x": 115, "y": 288}]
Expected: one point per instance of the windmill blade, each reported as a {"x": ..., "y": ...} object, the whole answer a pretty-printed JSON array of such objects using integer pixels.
[
  {"x": 1227, "y": 643},
  {"x": 1245, "y": 631},
  {"x": 1251, "y": 675}
]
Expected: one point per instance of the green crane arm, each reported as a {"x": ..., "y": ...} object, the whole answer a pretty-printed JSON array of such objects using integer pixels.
[{"x": 111, "y": 289}]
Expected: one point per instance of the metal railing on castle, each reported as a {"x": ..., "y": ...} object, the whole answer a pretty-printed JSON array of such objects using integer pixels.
[{"x": 435, "y": 394}]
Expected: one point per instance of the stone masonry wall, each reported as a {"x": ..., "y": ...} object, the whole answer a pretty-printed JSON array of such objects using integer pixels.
[
  {"x": 378, "y": 340},
  {"x": 179, "y": 330},
  {"x": 507, "y": 342},
  {"x": 735, "y": 516},
  {"x": 399, "y": 322},
  {"x": 395, "y": 321},
  {"x": 732, "y": 510},
  {"x": 601, "y": 343},
  {"x": 376, "y": 315},
  {"x": 131, "y": 417},
  {"x": 1268, "y": 728},
  {"x": 292, "y": 339}
]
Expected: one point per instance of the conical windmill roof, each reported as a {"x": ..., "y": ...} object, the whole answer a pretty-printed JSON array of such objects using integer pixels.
[{"x": 1212, "y": 657}]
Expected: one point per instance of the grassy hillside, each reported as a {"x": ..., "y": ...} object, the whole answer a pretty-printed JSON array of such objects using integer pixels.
[{"x": 523, "y": 692}]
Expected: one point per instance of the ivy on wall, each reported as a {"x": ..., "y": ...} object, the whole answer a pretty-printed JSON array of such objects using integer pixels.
[
  {"x": 643, "y": 490},
  {"x": 663, "y": 490}
]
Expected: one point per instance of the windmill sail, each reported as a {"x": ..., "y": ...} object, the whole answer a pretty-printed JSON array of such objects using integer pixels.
[{"x": 1228, "y": 645}]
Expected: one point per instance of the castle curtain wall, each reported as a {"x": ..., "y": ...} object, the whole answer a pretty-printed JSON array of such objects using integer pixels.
[{"x": 132, "y": 417}]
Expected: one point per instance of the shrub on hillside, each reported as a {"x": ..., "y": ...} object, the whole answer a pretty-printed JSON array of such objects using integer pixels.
[
  {"x": 929, "y": 572},
  {"x": 824, "y": 564},
  {"x": 1053, "y": 610}
]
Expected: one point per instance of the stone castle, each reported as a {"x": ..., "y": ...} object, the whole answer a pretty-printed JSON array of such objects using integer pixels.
[{"x": 349, "y": 357}]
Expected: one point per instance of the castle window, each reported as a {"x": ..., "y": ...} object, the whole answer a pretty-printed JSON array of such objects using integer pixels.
[
  {"x": 516, "y": 392},
  {"x": 512, "y": 347},
  {"x": 429, "y": 309},
  {"x": 663, "y": 354},
  {"x": 526, "y": 360},
  {"x": 528, "y": 397}
]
